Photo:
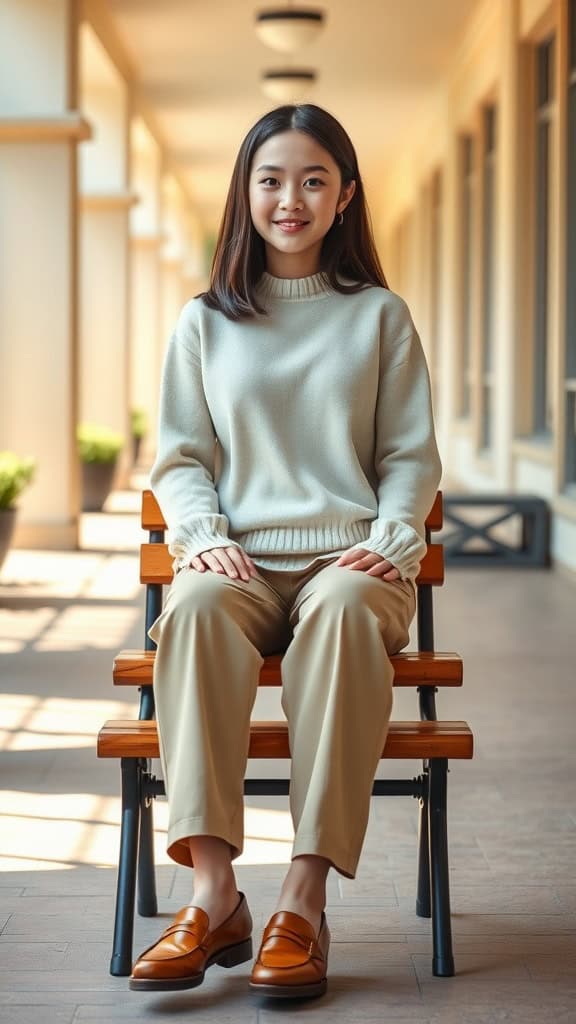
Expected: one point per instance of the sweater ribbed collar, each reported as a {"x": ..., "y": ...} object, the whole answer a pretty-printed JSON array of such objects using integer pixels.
[{"x": 315, "y": 286}]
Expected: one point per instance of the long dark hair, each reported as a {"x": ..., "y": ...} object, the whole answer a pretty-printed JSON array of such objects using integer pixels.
[{"x": 239, "y": 258}]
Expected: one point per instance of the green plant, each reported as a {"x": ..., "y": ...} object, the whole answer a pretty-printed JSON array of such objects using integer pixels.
[
  {"x": 98, "y": 444},
  {"x": 139, "y": 422},
  {"x": 15, "y": 474}
]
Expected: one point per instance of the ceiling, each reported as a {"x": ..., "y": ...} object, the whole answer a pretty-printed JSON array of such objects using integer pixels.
[{"x": 197, "y": 64}]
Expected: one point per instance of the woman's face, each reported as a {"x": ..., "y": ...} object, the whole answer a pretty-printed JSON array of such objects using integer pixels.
[{"x": 295, "y": 192}]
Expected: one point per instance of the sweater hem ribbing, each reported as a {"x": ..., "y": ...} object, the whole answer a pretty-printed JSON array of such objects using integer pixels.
[{"x": 325, "y": 537}]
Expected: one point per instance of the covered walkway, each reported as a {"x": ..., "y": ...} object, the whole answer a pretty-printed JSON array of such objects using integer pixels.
[
  {"x": 512, "y": 813},
  {"x": 119, "y": 123}
]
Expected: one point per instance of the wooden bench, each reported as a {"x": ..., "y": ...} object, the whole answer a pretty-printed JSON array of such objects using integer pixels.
[{"x": 135, "y": 742}]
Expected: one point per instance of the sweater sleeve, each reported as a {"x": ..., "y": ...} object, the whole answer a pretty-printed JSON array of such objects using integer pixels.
[
  {"x": 407, "y": 462},
  {"x": 182, "y": 476}
]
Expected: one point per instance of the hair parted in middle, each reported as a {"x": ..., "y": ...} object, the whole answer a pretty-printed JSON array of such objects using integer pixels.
[{"x": 239, "y": 257}]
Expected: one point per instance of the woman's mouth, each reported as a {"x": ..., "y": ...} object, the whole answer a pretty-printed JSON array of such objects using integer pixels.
[{"x": 290, "y": 227}]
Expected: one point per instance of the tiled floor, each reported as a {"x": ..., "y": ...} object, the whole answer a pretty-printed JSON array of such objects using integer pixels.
[{"x": 512, "y": 815}]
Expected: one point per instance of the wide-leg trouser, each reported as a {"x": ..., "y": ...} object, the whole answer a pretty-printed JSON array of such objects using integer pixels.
[{"x": 340, "y": 625}]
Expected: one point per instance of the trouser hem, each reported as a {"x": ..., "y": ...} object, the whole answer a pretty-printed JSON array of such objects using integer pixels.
[
  {"x": 178, "y": 847},
  {"x": 344, "y": 862}
]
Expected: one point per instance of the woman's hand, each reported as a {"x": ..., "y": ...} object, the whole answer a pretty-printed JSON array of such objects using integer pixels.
[
  {"x": 232, "y": 561},
  {"x": 369, "y": 562}
]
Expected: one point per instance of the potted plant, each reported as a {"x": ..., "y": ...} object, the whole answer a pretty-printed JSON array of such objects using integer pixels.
[
  {"x": 98, "y": 448},
  {"x": 15, "y": 474},
  {"x": 139, "y": 429}
]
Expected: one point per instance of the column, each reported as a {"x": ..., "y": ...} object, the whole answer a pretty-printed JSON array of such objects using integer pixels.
[
  {"x": 40, "y": 129},
  {"x": 104, "y": 248},
  {"x": 172, "y": 255},
  {"x": 146, "y": 240}
]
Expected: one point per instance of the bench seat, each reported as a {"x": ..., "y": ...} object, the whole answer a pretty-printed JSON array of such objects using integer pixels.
[
  {"x": 412, "y": 668},
  {"x": 129, "y": 738}
]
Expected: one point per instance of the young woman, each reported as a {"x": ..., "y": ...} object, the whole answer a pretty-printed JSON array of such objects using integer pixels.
[{"x": 296, "y": 465}]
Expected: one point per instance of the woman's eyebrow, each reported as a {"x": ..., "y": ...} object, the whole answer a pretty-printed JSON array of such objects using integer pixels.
[{"x": 312, "y": 167}]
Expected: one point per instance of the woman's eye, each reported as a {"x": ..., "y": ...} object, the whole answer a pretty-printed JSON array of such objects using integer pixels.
[{"x": 314, "y": 182}]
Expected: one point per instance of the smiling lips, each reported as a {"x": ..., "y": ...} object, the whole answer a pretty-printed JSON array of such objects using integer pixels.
[{"x": 291, "y": 225}]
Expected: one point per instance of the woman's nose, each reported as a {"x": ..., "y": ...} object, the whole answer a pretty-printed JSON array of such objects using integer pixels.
[{"x": 290, "y": 200}]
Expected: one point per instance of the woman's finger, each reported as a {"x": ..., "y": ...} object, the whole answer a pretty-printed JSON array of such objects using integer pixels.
[
  {"x": 251, "y": 565},
  {"x": 377, "y": 570},
  {"x": 361, "y": 558},
  {"x": 211, "y": 560},
  {"x": 239, "y": 560},
  {"x": 247, "y": 561},
  {"x": 219, "y": 560},
  {"x": 369, "y": 561},
  {"x": 382, "y": 572},
  {"x": 233, "y": 561},
  {"x": 351, "y": 555},
  {"x": 223, "y": 554},
  {"x": 226, "y": 563},
  {"x": 394, "y": 574}
]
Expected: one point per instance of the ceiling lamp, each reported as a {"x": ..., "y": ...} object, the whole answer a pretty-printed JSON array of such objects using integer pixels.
[
  {"x": 289, "y": 85},
  {"x": 288, "y": 28}
]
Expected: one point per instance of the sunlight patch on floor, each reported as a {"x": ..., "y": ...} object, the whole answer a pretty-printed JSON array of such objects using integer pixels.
[
  {"x": 91, "y": 626},
  {"x": 29, "y": 722},
  {"x": 68, "y": 574},
  {"x": 19, "y": 628},
  {"x": 49, "y": 831}
]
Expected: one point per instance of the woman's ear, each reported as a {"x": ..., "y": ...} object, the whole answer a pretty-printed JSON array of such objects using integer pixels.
[{"x": 345, "y": 196}]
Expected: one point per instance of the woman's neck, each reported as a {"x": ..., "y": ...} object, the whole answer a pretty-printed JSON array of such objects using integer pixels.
[{"x": 293, "y": 265}]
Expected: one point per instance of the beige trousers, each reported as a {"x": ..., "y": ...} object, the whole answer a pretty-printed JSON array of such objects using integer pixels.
[{"x": 339, "y": 626}]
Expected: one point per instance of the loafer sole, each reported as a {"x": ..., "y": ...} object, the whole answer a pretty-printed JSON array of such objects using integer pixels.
[
  {"x": 230, "y": 956},
  {"x": 315, "y": 988}
]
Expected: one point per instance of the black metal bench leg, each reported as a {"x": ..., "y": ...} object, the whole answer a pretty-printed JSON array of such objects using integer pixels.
[
  {"x": 423, "y": 890},
  {"x": 147, "y": 901},
  {"x": 443, "y": 960},
  {"x": 121, "y": 962}
]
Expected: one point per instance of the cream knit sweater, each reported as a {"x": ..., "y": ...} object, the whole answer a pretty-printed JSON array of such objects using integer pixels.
[{"x": 300, "y": 434}]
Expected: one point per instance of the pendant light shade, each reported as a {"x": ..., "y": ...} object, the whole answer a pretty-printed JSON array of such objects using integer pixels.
[
  {"x": 288, "y": 28},
  {"x": 288, "y": 86}
]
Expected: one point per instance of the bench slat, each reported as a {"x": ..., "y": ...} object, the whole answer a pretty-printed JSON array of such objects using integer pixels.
[
  {"x": 152, "y": 518},
  {"x": 135, "y": 668},
  {"x": 156, "y": 564},
  {"x": 270, "y": 739}
]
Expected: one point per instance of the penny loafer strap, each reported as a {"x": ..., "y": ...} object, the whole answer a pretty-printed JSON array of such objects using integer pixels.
[
  {"x": 309, "y": 945},
  {"x": 171, "y": 930}
]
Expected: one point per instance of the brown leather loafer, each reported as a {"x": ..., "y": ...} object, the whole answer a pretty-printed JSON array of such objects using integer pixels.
[
  {"x": 187, "y": 947},
  {"x": 291, "y": 962}
]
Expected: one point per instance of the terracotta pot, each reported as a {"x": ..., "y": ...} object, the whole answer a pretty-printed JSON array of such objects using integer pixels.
[
  {"x": 97, "y": 480},
  {"x": 7, "y": 524}
]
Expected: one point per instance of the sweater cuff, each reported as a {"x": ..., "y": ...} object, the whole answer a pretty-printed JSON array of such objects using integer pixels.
[
  {"x": 399, "y": 544},
  {"x": 199, "y": 535}
]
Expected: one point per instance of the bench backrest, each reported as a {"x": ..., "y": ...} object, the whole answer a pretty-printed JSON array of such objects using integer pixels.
[{"x": 156, "y": 562}]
